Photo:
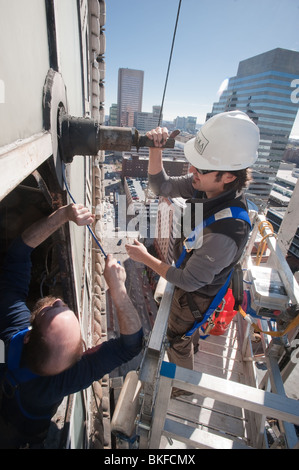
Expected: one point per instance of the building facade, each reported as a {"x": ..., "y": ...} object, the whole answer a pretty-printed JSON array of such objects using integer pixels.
[
  {"x": 264, "y": 89},
  {"x": 147, "y": 121},
  {"x": 136, "y": 164},
  {"x": 113, "y": 115},
  {"x": 59, "y": 47},
  {"x": 186, "y": 124},
  {"x": 129, "y": 98}
]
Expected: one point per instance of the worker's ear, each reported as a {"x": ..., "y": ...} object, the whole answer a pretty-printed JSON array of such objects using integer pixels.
[
  {"x": 27, "y": 337},
  {"x": 228, "y": 177}
]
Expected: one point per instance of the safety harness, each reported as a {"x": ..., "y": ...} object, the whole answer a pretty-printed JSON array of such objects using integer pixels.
[
  {"x": 15, "y": 374},
  {"x": 189, "y": 244}
]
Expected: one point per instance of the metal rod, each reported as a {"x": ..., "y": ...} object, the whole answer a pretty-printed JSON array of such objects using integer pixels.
[{"x": 84, "y": 136}]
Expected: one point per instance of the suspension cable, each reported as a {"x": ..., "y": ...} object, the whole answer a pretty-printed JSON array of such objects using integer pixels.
[
  {"x": 170, "y": 57},
  {"x": 73, "y": 200}
]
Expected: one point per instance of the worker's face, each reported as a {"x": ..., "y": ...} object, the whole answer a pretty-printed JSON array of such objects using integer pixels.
[{"x": 209, "y": 183}]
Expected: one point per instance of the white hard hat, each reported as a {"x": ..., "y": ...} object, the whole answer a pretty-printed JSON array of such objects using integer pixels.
[{"x": 226, "y": 142}]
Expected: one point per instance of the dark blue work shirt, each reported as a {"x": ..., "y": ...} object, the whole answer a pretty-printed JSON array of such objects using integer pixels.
[{"x": 41, "y": 396}]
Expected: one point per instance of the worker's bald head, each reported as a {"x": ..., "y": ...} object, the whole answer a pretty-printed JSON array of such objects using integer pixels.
[{"x": 54, "y": 344}]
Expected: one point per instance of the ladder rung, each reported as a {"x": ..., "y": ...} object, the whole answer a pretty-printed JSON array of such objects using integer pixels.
[{"x": 199, "y": 438}]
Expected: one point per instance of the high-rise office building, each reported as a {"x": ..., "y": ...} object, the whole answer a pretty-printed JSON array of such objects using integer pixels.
[
  {"x": 187, "y": 124},
  {"x": 264, "y": 88},
  {"x": 130, "y": 91},
  {"x": 113, "y": 115},
  {"x": 147, "y": 121}
]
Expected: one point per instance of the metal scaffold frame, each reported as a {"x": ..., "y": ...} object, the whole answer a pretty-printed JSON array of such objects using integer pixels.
[{"x": 261, "y": 399}]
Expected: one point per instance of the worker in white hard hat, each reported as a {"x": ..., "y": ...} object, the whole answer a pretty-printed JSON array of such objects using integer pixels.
[{"x": 220, "y": 156}]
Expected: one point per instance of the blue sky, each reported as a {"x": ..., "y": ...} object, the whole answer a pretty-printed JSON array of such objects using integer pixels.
[{"x": 213, "y": 36}]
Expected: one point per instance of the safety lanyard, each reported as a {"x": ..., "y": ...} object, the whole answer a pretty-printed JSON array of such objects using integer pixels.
[{"x": 214, "y": 304}]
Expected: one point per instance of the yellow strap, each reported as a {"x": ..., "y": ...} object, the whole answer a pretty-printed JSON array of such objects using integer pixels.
[
  {"x": 261, "y": 248},
  {"x": 276, "y": 334},
  {"x": 263, "y": 244}
]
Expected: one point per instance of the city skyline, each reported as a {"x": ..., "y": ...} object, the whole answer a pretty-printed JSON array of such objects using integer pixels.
[
  {"x": 261, "y": 89},
  {"x": 212, "y": 38}
]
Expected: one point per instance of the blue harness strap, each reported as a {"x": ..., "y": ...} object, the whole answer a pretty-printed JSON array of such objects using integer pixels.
[
  {"x": 15, "y": 374},
  {"x": 188, "y": 245},
  {"x": 228, "y": 213},
  {"x": 213, "y": 305}
]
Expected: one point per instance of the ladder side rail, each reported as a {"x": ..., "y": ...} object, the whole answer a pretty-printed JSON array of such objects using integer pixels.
[
  {"x": 277, "y": 386},
  {"x": 255, "y": 421},
  {"x": 272, "y": 380},
  {"x": 250, "y": 374},
  {"x": 150, "y": 365},
  {"x": 261, "y": 440},
  {"x": 159, "y": 328},
  {"x": 160, "y": 411},
  {"x": 156, "y": 344},
  {"x": 247, "y": 253},
  {"x": 280, "y": 263},
  {"x": 290, "y": 222},
  {"x": 288, "y": 369}
]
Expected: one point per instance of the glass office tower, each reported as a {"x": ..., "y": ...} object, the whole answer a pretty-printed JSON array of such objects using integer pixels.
[
  {"x": 129, "y": 99},
  {"x": 265, "y": 88}
]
